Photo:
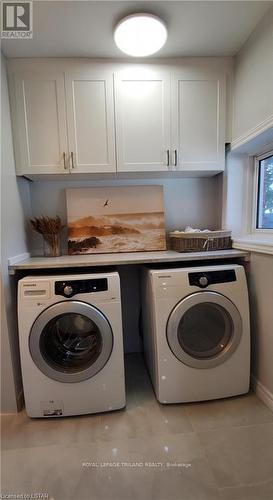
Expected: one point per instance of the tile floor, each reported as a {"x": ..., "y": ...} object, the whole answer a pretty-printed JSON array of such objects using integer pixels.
[{"x": 217, "y": 450}]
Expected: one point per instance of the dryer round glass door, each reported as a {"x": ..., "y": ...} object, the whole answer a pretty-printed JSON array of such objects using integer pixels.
[
  {"x": 204, "y": 329},
  {"x": 71, "y": 341}
]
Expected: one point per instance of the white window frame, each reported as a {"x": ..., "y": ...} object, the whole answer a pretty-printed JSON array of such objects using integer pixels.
[
  {"x": 251, "y": 238},
  {"x": 253, "y": 212}
]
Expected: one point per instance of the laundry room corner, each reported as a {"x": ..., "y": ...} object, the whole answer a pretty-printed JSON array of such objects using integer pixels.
[{"x": 136, "y": 250}]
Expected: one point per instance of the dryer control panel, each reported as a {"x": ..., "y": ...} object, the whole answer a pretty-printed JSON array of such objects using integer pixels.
[
  {"x": 206, "y": 278},
  {"x": 74, "y": 287}
]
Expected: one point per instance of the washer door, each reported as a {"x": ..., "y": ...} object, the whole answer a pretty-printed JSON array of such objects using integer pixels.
[
  {"x": 71, "y": 341},
  {"x": 204, "y": 329}
]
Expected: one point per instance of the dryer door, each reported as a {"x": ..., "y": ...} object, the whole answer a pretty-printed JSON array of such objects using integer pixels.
[
  {"x": 204, "y": 329},
  {"x": 71, "y": 341}
]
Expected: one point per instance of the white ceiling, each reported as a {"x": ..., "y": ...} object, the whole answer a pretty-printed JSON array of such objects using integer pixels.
[{"x": 85, "y": 28}]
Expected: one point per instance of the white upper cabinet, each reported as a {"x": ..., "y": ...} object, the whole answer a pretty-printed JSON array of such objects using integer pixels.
[
  {"x": 41, "y": 138},
  {"x": 90, "y": 120},
  {"x": 198, "y": 120},
  {"x": 64, "y": 121},
  {"x": 142, "y": 103},
  {"x": 96, "y": 118}
]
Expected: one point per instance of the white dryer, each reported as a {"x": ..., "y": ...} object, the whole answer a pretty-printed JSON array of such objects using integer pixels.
[
  {"x": 196, "y": 332},
  {"x": 71, "y": 346}
]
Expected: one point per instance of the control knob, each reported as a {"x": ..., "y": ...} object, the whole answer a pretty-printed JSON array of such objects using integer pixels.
[
  {"x": 203, "y": 281},
  {"x": 68, "y": 290}
]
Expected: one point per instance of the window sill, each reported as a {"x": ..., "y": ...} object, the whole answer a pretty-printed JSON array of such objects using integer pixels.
[{"x": 254, "y": 244}]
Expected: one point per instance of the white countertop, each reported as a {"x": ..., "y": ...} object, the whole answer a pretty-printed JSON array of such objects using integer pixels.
[{"x": 118, "y": 259}]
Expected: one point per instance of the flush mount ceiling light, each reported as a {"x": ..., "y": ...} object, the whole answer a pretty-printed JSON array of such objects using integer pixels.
[{"x": 140, "y": 35}]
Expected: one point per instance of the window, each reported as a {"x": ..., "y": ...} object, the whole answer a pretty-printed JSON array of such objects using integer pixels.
[
  {"x": 264, "y": 205},
  {"x": 249, "y": 202}
]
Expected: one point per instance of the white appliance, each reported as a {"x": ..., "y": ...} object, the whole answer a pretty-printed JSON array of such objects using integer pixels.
[
  {"x": 71, "y": 346},
  {"x": 196, "y": 332}
]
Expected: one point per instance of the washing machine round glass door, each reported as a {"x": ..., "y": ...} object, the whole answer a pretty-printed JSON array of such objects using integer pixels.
[
  {"x": 71, "y": 341},
  {"x": 204, "y": 329}
]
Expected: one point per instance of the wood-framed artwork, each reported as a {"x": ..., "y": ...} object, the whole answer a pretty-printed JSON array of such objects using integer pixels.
[{"x": 115, "y": 219}]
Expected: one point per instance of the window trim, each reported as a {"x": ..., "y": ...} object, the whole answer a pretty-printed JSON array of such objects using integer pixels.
[
  {"x": 255, "y": 196},
  {"x": 251, "y": 238}
]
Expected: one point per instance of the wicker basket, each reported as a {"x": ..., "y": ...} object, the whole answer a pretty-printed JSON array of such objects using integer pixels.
[{"x": 200, "y": 242}]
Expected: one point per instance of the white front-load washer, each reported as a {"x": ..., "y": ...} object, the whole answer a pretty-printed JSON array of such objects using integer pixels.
[
  {"x": 71, "y": 345},
  {"x": 196, "y": 332}
]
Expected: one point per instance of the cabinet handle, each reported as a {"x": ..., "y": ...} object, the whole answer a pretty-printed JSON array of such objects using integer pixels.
[
  {"x": 72, "y": 160},
  {"x": 65, "y": 165},
  {"x": 175, "y": 157},
  {"x": 168, "y": 157}
]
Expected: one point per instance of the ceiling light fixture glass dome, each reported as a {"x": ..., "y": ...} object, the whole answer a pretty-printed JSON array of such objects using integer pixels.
[{"x": 140, "y": 35}]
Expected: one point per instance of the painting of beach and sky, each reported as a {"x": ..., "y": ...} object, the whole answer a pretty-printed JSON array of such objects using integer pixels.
[{"x": 115, "y": 219}]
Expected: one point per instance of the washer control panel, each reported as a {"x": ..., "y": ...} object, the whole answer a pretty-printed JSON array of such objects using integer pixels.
[
  {"x": 206, "y": 278},
  {"x": 75, "y": 287},
  {"x": 203, "y": 281}
]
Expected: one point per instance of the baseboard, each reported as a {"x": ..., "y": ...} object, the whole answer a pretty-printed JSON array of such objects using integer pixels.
[
  {"x": 262, "y": 392},
  {"x": 18, "y": 258}
]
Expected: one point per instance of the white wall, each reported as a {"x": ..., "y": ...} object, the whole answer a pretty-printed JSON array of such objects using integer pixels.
[
  {"x": 234, "y": 178},
  {"x": 187, "y": 201},
  {"x": 261, "y": 299},
  {"x": 8, "y": 392},
  {"x": 253, "y": 83},
  {"x": 15, "y": 208}
]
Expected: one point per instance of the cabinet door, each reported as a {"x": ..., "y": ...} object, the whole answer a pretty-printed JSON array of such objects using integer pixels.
[
  {"x": 40, "y": 123},
  {"x": 142, "y": 119},
  {"x": 90, "y": 118},
  {"x": 198, "y": 113}
]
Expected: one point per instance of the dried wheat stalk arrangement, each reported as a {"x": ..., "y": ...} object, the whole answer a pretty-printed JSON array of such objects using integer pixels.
[{"x": 50, "y": 228}]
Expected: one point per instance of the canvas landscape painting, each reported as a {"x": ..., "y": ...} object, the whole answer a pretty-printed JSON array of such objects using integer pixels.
[{"x": 115, "y": 219}]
